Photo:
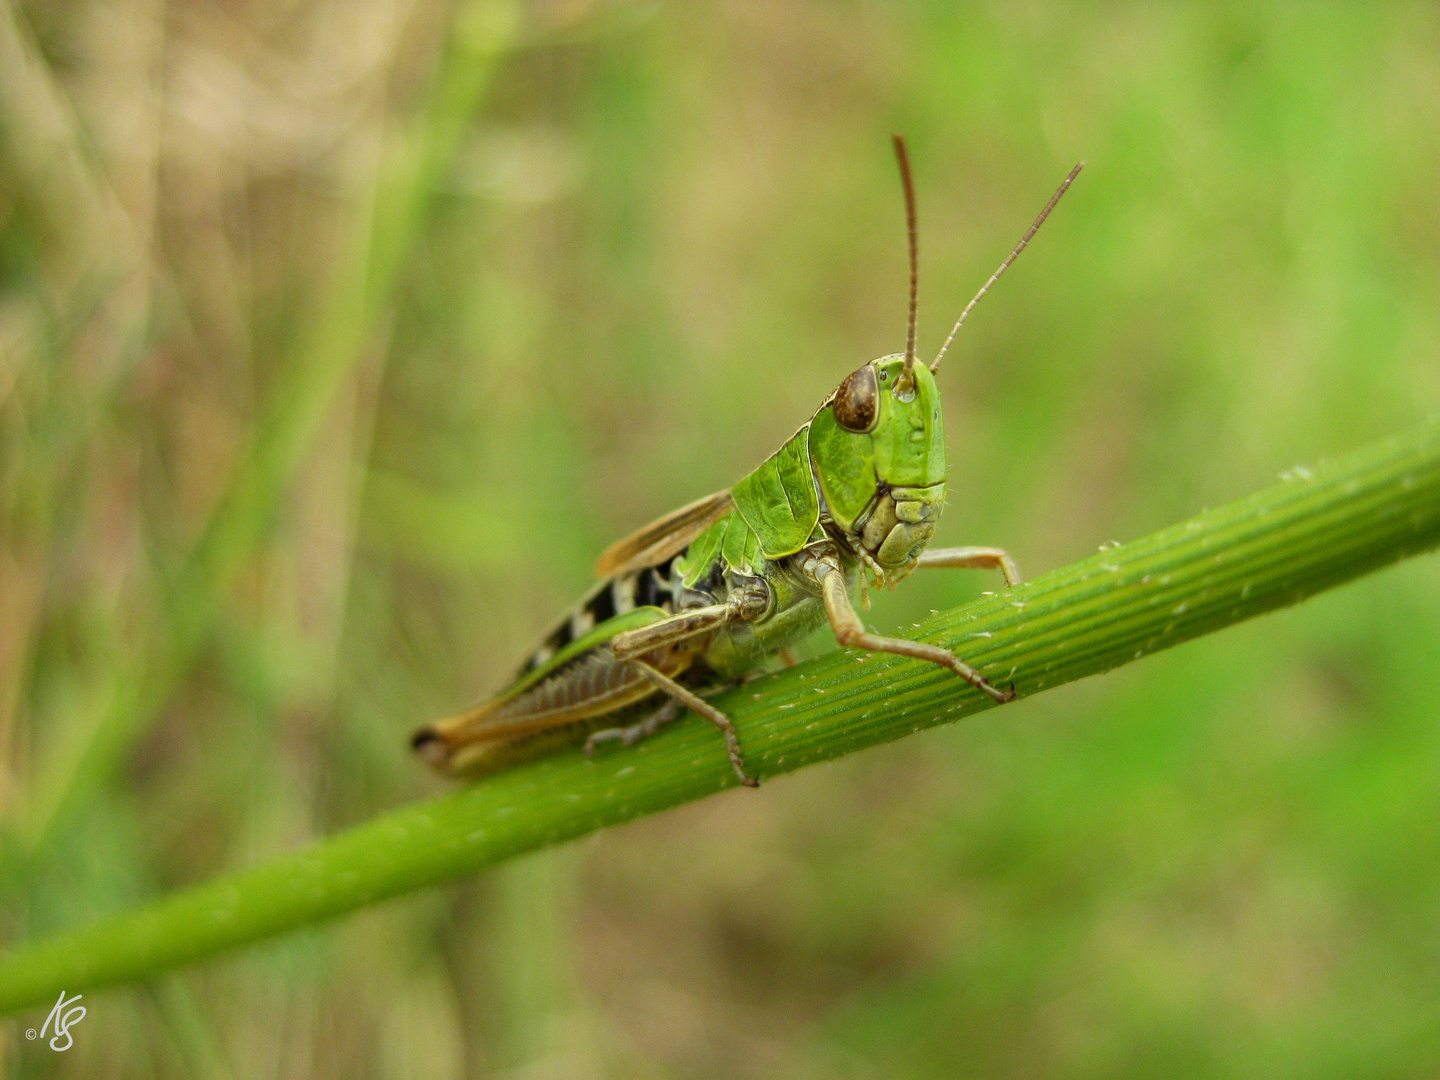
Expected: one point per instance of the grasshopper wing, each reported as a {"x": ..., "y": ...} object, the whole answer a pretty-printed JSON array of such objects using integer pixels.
[
  {"x": 581, "y": 682},
  {"x": 663, "y": 537}
]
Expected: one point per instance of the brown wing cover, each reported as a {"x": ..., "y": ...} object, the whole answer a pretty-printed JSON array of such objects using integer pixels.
[
  {"x": 591, "y": 686},
  {"x": 594, "y": 683},
  {"x": 663, "y": 537}
]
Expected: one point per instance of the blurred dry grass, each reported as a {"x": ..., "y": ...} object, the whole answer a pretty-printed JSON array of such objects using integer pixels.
[{"x": 326, "y": 366}]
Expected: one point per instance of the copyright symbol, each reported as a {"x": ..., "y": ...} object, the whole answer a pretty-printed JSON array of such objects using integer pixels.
[{"x": 30, "y": 1034}]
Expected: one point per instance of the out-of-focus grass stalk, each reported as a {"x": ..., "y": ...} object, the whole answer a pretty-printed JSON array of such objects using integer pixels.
[
  {"x": 410, "y": 162},
  {"x": 1319, "y": 527},
  {"x": 91, "y": 296},
  {"x": 89, "y": 233}
]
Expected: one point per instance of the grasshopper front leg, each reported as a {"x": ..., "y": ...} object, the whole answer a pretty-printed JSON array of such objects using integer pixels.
[
  {"x": 632, "y": 646},
  {"x": 972, "y": 558},
  {"x": 851, "y": 632}
]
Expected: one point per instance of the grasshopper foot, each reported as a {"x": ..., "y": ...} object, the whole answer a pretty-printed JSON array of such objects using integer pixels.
[{"x": 1001, "y": 696}]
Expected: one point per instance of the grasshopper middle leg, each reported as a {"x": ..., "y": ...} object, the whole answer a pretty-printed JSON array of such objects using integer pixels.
[
  {"x": 705, "y": 709},
  {"x": 631, "y": 648}
]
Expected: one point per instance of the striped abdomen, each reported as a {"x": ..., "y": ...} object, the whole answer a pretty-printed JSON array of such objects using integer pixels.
[
  {"x": 548, "y": 705},
  {"x": 649, "y": 587}
]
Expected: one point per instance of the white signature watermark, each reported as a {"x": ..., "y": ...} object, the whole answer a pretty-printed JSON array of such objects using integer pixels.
[{"x": 64, "y": 1014}]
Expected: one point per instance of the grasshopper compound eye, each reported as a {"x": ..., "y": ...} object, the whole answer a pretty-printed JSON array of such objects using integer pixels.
[{"x": 857, "y": 402}]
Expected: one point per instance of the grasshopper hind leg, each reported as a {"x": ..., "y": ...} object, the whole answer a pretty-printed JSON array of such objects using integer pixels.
[{"x": 629, "y": 736}]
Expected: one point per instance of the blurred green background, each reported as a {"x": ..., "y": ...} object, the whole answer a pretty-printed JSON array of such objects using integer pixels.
[{"x": 337, "y": 338}]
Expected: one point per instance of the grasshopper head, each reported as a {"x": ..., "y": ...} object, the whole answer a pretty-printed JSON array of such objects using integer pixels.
[{"x": 878, "y": 448}]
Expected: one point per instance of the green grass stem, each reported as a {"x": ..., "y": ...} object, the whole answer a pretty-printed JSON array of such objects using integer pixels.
[{"x": 1317, "y": 528}]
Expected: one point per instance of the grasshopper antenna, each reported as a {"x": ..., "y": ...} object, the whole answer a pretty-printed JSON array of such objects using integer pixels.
[
  {"x": 1030, "y": 232},
  {"x": 906, "y": 382}
]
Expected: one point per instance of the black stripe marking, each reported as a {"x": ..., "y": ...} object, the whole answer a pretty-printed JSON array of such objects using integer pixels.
[
  {"x": 652, "y": 588},
  {"x": 602, "y": 604},
  {"x": 645, "y": 588},
  {"x": 558, "y": 639}
]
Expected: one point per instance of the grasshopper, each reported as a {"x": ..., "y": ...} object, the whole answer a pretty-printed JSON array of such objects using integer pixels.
[{"x": 699, "y": 599}]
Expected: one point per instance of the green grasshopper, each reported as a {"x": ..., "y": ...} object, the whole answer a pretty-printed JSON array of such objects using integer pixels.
[{"x": 698, "y": 600}]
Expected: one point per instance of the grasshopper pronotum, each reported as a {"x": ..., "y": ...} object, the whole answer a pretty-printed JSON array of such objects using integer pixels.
[{"x": 709, "y": 593}]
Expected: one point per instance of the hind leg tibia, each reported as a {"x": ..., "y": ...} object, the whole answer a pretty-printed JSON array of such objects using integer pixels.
[{"x": 629, "y": 736}]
